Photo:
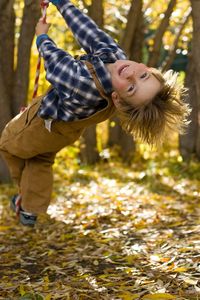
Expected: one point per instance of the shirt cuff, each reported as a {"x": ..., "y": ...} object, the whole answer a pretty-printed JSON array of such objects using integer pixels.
[
  {"x": 55, "y": 2},
  {"x": 41, "y": 38}
]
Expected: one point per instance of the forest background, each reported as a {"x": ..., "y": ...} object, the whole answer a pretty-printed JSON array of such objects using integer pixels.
[
  {"x": 161, "y": 34},
  {"x": 124, "y": 220}
]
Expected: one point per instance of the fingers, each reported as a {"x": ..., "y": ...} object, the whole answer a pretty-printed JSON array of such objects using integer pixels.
[
  {"x": 43, "y": 21},
  {"x": 42, "y": 27}
]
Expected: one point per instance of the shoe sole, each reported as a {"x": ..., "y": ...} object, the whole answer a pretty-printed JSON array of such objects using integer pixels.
[
  {"x": 24, "y": 222},
  {"x": 22, "y": 219}
]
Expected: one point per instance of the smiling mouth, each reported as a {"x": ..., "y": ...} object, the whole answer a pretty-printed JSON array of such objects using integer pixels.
[{"x": 122, "y": 68}]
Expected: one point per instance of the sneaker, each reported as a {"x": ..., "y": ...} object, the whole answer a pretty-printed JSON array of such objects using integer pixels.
[{"x": 25, "y": 218}]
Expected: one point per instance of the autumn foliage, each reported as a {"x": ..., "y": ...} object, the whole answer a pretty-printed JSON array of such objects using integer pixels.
[{"x": 112, "y": 232}]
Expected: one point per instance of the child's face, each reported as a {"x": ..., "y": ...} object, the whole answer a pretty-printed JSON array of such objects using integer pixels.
[{"x": 133, "y": 83}]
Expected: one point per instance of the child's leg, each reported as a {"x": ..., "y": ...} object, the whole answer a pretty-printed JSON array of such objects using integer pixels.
[
  {"x": 36, "y": 183},
  {"x": 15, "y": 164},
  {"x": 34, "y": 179},
  {"x": 27, "y": 138}
]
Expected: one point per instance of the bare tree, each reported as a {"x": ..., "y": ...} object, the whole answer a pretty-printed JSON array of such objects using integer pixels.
[
  {"x": 133, "y": 18},
  {"x": 14, "y": 83},
  {"x": 30, "y": 17},
  {"x": 172, "y": 53},
  {"x": 88, "y": 150},
  {"x": 190, "y": 143},
  {"x": 7, "y": 20},
  {"x": 131, "y": 42},
  {"x": 155, "y": 53}
]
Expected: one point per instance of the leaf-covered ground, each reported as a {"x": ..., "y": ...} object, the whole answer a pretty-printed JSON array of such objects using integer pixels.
[{"x": 112, "y": 232}]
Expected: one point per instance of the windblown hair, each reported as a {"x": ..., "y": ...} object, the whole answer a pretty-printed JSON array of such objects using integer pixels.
[{"x": 167, "y": 110}]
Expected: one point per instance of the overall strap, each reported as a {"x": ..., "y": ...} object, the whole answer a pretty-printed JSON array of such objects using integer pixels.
[{"x": 97, "y": 82}]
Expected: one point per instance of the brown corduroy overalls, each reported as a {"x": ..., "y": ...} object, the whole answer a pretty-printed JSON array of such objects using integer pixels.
[{"x": 29, "y": 148}]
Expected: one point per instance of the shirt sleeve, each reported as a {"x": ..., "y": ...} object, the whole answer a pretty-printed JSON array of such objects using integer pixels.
[
  {"x": 60, "y": 66},
  {"x": 90, "y": 37}
]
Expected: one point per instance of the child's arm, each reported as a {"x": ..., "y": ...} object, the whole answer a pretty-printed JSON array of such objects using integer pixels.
[
  {"x": 86, "y": 32},
  {"x": 59, "y": 65}
]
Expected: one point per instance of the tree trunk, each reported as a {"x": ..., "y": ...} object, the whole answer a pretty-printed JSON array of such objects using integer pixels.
[
  {"x": 190, "y": 143},
  {"x": 132, "y": 43},
  {"x": 95, "y": 11},
  {"x": 132, "y": 25},
  {"x": 31, "y": 15},
  {"x": 187, "y": 142},
  {"x": 14, "y": 84},
  {"x": 137, "y": 40},
  {"x": 88, "y": 150},
  {"x": 5, "y": 116},
  {"x": 172, "y": 54},
  {"x": 114, "y": 131},
  {"x": 155, "y": 54},
  {"x": 7, "y": 20},
  {"x": 5, "y": 112}
]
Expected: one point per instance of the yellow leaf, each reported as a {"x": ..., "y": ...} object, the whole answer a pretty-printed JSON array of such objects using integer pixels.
[
  {"x": 46, "y": 282},
  {"x": 158, "y": 297},
  {"x": 131, "y": 259},
  {"x": 46, "y": 279},
  {"x": 3, "y": 228},
  {"x": 129, "y": 296},
  {"x": 64, "y": 264},
  {"x": 48, "y": 297},
  {"x": 140, "y": 224},
  {"x": 21, "y": 290},
  {"x": 180, "y": 269},
  {"x": 50, "y": 252}
]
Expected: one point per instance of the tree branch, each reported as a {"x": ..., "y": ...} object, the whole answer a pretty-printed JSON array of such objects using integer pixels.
[
  {"x": 159, "y": 35},
  {"x": 168, "y": 62}
]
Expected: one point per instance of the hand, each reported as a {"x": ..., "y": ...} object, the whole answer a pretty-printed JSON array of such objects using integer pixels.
[{"x": 41, "y": 27}]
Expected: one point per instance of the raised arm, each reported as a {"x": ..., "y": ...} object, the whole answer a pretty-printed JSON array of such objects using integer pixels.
[
  {"x": 86, "y": 32},
  {"x": 59, "y": 64}
]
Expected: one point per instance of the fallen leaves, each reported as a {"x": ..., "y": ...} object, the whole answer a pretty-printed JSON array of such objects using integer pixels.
[
  {"x": 159, "y": 297},
  {"x": 113, "y": 233}
]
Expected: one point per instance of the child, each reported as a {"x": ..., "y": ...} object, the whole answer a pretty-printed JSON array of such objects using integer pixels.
[{"x": 83, "y": 92}]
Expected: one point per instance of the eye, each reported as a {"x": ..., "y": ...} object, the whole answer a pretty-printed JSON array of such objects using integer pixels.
[
  {"x": 144, "y": 75},
  {"x": 131, "y": 88}
]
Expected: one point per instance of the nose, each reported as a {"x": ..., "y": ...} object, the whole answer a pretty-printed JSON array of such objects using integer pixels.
[
  {"x": 129, "y": 73},
  {"x": 134, "y": 73}
]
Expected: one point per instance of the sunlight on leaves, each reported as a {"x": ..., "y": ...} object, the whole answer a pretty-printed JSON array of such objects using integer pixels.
[{"x": 159, "y": 297}]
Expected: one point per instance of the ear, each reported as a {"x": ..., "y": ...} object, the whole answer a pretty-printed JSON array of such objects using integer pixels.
[{"x": 115, "y": 99}]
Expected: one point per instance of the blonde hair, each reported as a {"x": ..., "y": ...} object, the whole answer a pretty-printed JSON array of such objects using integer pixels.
[{"x": 167, "y": 110}]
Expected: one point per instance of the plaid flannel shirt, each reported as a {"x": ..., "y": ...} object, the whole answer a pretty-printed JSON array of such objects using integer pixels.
[{"x": 74, "y": 94}]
